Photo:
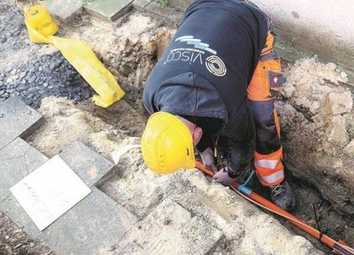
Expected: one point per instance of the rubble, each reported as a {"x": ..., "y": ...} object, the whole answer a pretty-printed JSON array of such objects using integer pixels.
[
  {"x": 336, "y": 132},
  {"x": 338, "y": 103},
  {"x": 244, "y": 228},
  {"x": 142, "y": 192},
  {"x": 349, "y": 149},
  {"x": 316, "y": 120},
  {"x": 314, "y": 86}
]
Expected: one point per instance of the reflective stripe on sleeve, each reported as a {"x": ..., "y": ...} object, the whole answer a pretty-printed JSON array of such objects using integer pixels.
[
  {"x": 273, "y": 178},
  {"x": 265, "y": 163}
]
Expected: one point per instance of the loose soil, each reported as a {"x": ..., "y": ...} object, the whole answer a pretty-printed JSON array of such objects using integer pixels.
[{"x": 13, "y": 241}]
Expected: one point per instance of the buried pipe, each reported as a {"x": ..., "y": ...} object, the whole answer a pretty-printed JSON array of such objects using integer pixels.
[{"x": 337, "y": 246}]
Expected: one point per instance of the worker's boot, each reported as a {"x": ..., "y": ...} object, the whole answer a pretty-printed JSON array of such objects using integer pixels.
[{"x": 283, "y": 196}]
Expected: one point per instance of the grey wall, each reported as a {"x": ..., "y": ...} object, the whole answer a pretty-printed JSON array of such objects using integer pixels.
[{"x": 325, "y": 27}]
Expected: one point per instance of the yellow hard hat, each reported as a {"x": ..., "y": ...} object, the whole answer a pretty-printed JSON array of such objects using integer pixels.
[{"x": 167, "y": 144}]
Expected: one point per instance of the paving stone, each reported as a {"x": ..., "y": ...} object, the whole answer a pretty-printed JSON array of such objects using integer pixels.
[
  {"x": 180, "y": 5},
  {"x": 141, "y": 3},
  {"x": 136, "y": 187},
  {"x": 89, "y": 165},
  {"x": 170, "y": 229},
  {"x": 16, "y": 119},
  {"x": 108, "y": 9},
  {"x": 17, "y": 160},
  {"x": 17, "y": 214},
  {"x": 168, "y": 13},
  {"x": 64, "y": 10},
  {"x": 91, "y": 227}
]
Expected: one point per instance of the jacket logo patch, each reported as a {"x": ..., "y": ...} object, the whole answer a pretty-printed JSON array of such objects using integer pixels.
[
  {"x": 199, "y": 53},
  {"x": 189, "y": 56},
  {"x": 215, "y": 65}
]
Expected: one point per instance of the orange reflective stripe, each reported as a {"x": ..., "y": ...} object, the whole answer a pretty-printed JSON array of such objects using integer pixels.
[
  {"x": 269, "y": 177},
  {"x": 264, "y": 171},
  {"x": 270, "y": 168},
  {"x": 273, "y": 179}
]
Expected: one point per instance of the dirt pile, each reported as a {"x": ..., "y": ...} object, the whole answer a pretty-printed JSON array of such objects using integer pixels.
[
  {"x": 13, "y": 241},
  {"x": 129, "y": 48},
  {"x": 66, "y": 122},
  {"x": 317, "y": 118}
]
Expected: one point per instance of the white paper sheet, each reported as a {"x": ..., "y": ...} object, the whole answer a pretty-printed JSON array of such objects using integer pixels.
[{"x": 49, "y": 191}]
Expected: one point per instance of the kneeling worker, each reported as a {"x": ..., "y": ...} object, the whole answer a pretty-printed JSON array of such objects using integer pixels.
[{"x": 212, "y": 87}]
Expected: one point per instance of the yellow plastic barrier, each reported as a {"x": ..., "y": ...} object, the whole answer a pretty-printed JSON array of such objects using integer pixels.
[
  {"x": 41, "y": 28},
  {"x": 91, "y": 69},
  {"x": 38, "y": 18}
]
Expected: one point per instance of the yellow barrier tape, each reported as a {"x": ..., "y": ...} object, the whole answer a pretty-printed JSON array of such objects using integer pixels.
[{"x": 41, "y": 28}]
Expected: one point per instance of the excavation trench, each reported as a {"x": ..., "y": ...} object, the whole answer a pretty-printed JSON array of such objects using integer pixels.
[
  {"x": 130, "y": 49},
  {"x": 139, "y": 55},
  {"x": 312, "y": 201}
]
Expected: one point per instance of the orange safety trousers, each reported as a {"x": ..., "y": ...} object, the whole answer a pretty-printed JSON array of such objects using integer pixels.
[{"x": 267, "y": 76}]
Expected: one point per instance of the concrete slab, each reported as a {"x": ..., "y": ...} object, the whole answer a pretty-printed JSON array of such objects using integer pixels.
[
  {"x": 49, "y": 192},
  {"x": 109, "y": 9},
  {"x": 89, "y": 165},
  {"x": 16, "y": 119},
  {"x": 18, "y": 159},
  {"x": 92, "y": 226},
  {"x": 170, "y": 229},
  {"x": 64, "y": 10}
]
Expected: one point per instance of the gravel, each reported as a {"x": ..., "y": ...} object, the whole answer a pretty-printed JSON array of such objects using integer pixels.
[
  {"x": 12, "y": 28},
  {"x": 28, "y": 73},
  {"x": 43, "y": 76}
]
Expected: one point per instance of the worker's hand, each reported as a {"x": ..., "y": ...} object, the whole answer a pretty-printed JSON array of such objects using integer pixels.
[
  {"x": 208, "y": 159},
  {"x": 223, "y": 177}
]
